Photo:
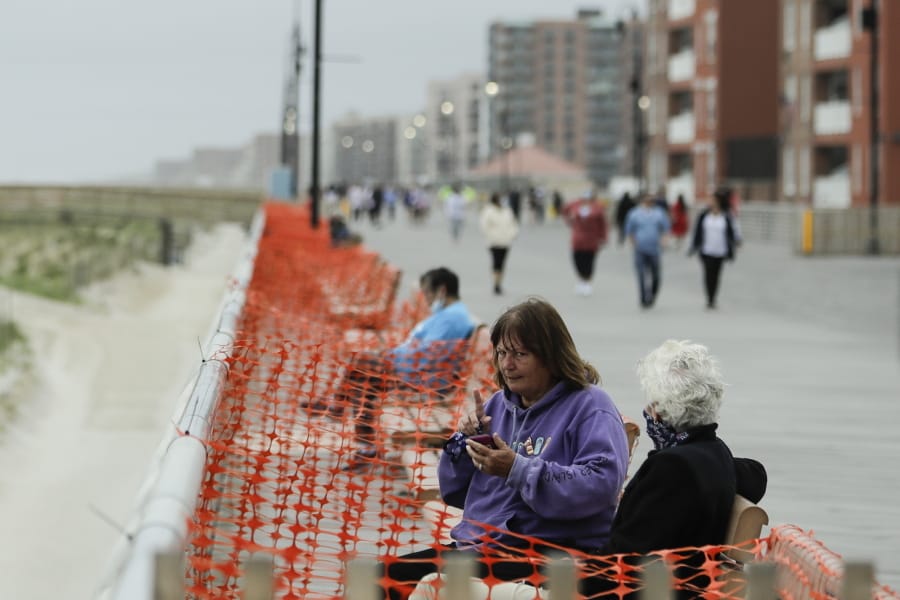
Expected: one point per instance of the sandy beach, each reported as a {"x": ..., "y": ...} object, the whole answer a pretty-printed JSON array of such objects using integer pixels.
[{"x": 108, "y": 374}]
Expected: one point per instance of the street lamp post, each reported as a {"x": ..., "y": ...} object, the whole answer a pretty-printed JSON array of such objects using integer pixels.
[
  {"x": 317, "y": 63},
  {"x": 449, "y": 137},
  {"x": 492, "y": 89},
  {"x": 640, "y": 146}
]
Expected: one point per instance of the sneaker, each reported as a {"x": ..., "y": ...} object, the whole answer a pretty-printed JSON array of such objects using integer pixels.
[
  {"x": 498, "y": 290},
  {"x": 362, "y": 459}
]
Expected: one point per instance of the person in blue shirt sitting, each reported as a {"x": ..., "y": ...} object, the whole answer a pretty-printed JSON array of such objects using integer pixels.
[{"x": 421, "y": 361}]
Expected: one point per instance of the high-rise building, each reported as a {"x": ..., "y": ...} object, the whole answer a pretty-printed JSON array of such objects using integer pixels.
[
  {"x": 827, "y": 103},
  {"x": 712, "y": 85},
  {"x": 365, "y": 149},
  {"x": 560, "y": 82}
]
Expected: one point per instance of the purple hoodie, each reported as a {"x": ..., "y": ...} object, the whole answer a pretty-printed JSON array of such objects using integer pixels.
[{"x": 571, "y": 461}]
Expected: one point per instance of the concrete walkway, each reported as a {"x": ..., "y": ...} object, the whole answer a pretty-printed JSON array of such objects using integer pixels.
[{"x": 808, "y": 345}]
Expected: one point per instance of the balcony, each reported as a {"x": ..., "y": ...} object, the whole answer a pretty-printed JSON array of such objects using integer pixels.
[
  {"x": 832, "y": 117},
  {"x": 833, "y": 41},
  {"x": 681, "y": 128},
  {"x": 681, "y": 184},
  {"x": 832, "y": 191},
  {"x": 681, "y": 66},
  {"x": 681, "y": 9}
]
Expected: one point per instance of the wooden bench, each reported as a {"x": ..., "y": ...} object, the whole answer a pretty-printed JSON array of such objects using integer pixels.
[
  {"x": 746, "y": 523},
  {"x": 420, "y": 426},
  {"x": 367, "y": 301}
]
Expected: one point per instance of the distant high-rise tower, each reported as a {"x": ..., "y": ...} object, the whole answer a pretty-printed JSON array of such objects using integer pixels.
[{"x": 560, "y": 81}]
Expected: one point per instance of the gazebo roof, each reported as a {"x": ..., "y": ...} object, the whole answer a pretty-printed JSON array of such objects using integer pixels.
[{"x": 527, "y": 161}]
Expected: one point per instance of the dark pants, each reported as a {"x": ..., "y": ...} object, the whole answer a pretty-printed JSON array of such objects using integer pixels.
[
  {"x": 647, "y": 267},
  {"x": 584, "y": 263},
  {"x": 712, "y": 270},
  {"x": 498, "y": 258},
  {"x": 367, "y": 378},
  {"x": 405, "y": 573}
]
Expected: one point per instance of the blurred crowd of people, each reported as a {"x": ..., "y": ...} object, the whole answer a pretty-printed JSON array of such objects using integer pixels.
[{"x": 648, "y": 223}]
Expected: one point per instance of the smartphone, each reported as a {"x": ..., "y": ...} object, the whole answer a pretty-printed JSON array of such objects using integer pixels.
[{"x": 485, "y": 439}]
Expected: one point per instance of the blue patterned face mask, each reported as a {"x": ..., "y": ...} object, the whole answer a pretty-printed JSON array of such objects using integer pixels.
[{"x": 663, "y": 436}]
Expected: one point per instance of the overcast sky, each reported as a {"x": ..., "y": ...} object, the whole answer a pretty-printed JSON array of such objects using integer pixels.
[{"x": 99, "y": 89}]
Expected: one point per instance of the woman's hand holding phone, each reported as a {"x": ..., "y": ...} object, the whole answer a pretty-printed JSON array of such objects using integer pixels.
[{"x": 485, "y": 439}]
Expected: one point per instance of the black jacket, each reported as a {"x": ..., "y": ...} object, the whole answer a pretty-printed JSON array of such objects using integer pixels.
[
  {"x": 682, "y": 497},
  {"x": 697, "y": 239}
]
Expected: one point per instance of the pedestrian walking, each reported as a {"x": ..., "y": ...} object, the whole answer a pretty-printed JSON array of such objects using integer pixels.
[
  {"x": 679, "y": 220},
  {"x": 624, "y": 206},
  {"x": 499, "y": 226},
  {"x": 587, "y": 219},
  {"x": 716, "y": 237},
  {"x": 455, "y": 210},
  {"x": 646, "y": 226}
]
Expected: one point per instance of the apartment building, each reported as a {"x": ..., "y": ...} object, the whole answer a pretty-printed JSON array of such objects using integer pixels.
[
  {"x": 364, "y": 149},
  {"x": 826, "y": 81},
  {"x": 711, "y": 75},
  {"x": 560, "y": 82}
]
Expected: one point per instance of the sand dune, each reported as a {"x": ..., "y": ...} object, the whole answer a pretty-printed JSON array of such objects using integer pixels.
[{"x": 108, "y": 376}]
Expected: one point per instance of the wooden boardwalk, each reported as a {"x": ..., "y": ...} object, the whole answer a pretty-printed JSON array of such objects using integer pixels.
[{"x": 808, "y": 346}]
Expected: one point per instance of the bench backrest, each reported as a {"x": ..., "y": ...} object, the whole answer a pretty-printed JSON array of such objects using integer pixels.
[{"x": 746, "y": 523}]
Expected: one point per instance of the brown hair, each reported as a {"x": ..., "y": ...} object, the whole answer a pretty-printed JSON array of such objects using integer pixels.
[{"x": 539, "y": 328}]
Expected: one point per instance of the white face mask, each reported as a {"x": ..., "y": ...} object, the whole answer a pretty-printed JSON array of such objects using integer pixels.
[{"x": 437, "y": 305}]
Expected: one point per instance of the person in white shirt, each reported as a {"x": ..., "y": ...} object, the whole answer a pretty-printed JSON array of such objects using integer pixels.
[
  {"x": 499, "y": 226},
  {"x": 716, "y": 237},
  {"x": 455, "y": 210}
]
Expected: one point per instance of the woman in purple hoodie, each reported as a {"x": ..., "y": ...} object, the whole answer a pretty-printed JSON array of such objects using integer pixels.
[{"x": 548, "y": 475}]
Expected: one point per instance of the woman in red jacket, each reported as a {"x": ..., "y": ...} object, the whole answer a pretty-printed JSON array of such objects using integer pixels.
[{"x": 587, "y": 219}]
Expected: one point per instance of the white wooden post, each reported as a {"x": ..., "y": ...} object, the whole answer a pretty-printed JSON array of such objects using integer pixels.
[
  {"x": 259, "y": 578},
  {"x": 168, "y": 576},
  {"x": 563, "y": 579},
  {"x": 459, "y": 567},
  {"x": 858, "y": 579},
  {"x": 761, "y": 581},
  {"x": 657, "y": 582},
  {"x": 362, "y": 580}
]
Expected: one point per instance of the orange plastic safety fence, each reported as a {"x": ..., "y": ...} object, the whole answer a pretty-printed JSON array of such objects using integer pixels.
[
  {"x": 807, "y": 569},
  {"x": 308, "y": 384}
]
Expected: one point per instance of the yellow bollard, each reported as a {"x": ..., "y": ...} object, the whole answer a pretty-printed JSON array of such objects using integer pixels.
[{"x": 807, "y": 238}]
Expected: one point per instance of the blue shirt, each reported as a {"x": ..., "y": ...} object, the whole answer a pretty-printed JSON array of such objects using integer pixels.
[
  {"x": 421, "y": 350},
  {"x": 646, "y": 226}
]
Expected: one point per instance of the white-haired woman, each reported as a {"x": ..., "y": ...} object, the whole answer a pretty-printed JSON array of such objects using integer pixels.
[{"x": 683, "y": 493}]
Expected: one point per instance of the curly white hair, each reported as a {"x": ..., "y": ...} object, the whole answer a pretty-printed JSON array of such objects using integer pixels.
[{"x": 683, "y": 383}]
